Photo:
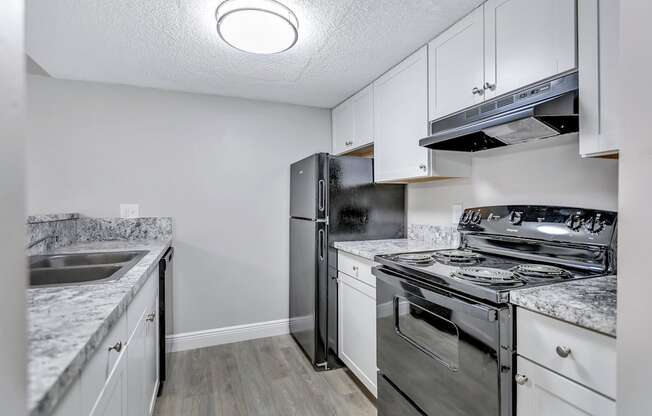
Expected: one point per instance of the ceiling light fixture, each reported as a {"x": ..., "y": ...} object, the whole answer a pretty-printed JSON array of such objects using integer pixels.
[{"x": 257, "y": 26}]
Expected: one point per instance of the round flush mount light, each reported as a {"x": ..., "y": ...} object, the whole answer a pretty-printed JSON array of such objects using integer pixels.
[{"x": 257, "y": 26}]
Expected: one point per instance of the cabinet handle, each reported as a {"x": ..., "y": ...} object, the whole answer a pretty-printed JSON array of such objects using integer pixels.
[
  {"x": 422, "y": 167},
  {"x": 150, "y": 317},
  {"x": 117, "y": 347},
  {"x": 477, "y": 91},
  {"x": 563, "y": 351},
  {"x": 521, "y": 379},
  {"x": 488, "y": 86},
  {"x": 355, "y": 270}
]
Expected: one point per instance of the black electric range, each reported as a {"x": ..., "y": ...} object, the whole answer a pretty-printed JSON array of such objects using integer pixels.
[{"x": 444, "y": 325}]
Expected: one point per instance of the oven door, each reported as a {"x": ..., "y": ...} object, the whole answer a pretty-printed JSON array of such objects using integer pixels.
[{"x": 440, "y": 350}]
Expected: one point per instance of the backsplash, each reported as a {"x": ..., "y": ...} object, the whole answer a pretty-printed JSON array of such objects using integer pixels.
[
  {"x": 63, "y": 227},
  {"x": 436, "y": 234},
  {"x": 103, "y": 229},
  {"x": 73, "y": 228}
]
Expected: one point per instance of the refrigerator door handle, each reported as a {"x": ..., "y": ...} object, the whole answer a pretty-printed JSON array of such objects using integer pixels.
[
  {"x": 322, "y": 244},
  {"x": 322, "y": 194}
]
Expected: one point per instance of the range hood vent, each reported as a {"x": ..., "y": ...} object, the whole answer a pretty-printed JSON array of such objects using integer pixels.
[{"x": 544, "y": 110}]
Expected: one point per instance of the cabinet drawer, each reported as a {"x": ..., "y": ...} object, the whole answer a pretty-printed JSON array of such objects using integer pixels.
[
  {"x": 142, "y": 301},
  {"x": 356, "y": 266},
  {"x": 100, "y": 366},
  {"x": 592, "y": 357},
  {"x": 544, "y": 393}
]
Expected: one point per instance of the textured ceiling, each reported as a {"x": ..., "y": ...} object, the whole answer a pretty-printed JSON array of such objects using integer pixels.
[{"x": 173, "y": 44}]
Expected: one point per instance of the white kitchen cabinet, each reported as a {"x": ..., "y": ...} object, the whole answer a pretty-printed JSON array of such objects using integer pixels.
[
  {"x": 541, "y": 392},
  {"x": 401, "y": 119},
  {"x": 136, "y": 374},
  {"x": 527, "y": 41},
  {"x": 598, "y": 52},
  {"x": 363, "y": 117},
  {"x": 342, "y": 126},
  {"x": 357, "y": 329},
  {"x": 151, "y": 356},
  {"x": 121, "y": 378},
  {"x": 142, "y": 350},
  {"x": 99, "y": 368},
  {"x": 113, "y": 397},
  {"x": 591, "y": 360},
  {"x": 352, "y": 122},
  {"x": 456, "y": 66}
]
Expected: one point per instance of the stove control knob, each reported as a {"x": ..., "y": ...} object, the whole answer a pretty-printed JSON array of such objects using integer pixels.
[
  {"x": 476, "y": 217},
  {"x": 466, "y": 217},
  {"x": 515, "y": 217},
  {"x": 594, "y": 224},
  {"x": 574, "y": 222}
]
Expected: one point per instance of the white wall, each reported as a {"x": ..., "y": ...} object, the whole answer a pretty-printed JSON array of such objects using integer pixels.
[
  {"x": 548, "y": 173},
  {"x": 12, "y": 216},
  {"x": 219, "y": 166},
  {"x": 635, "y": 227}
]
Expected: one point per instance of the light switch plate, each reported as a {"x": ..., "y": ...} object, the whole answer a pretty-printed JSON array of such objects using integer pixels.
[
  {"x": 456, "y": 213},
  {"x": 129, "y": 210}
]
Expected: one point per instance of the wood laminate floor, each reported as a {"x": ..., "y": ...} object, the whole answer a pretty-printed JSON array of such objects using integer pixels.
[{"x": 268, "y": 376}]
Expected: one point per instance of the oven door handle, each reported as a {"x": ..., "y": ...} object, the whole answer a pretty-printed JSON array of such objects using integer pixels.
[{"x": 431, "y": 295}]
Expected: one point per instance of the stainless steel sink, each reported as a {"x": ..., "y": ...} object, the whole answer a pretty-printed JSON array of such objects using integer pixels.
[
  {"x": 82, "y": 259},
  {"x": 81, "y": 268}
]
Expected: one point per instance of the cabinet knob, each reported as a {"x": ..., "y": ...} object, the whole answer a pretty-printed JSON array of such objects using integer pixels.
[
  {"x": 488, "y": 86},
  {"x": 422, "y": 167},
  {"x": 477, "y": 91},
  {"x": 520, "y": 379},
  {"x": 563, "y": 351},
  {"x": 150, "y": 317},
  {"x": 117, "y": 347}
]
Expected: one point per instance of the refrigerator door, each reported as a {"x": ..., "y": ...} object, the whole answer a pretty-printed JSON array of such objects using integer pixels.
[
  {"x": 308, "y": 187},
  {"x": 358, "y": 208},
  {"x": 308, "y": 276}
]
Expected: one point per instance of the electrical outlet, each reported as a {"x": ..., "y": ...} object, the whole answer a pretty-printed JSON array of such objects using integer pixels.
[
  {"x": 129, "y": 210},
  {"x": 456, "y": 213}
]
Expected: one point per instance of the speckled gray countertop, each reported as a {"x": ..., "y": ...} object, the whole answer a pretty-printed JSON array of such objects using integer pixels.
[
  {"x": 66, "y": 324},
  {"x": 589, "y": 303},
  {"x": 370, "y": 248}
]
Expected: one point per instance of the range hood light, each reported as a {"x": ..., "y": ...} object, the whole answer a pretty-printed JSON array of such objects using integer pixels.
[{"x": 257, "y": 26}]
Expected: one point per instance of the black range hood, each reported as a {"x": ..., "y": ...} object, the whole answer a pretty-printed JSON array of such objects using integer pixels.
[{"x": 540, "y": 111}]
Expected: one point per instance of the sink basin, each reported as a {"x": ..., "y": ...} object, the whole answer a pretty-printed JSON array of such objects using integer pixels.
[
  {"x": 71, "y": 276},
  {"x": 82, "y": 259},
  {"x": 80, "y": 268}
]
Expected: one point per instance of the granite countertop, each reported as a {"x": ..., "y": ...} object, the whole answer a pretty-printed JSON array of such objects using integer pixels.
[
  {"x": 589, "y": 303},
  {"x": 370, "y": 248},
  {"x": 66, "y": 324}
]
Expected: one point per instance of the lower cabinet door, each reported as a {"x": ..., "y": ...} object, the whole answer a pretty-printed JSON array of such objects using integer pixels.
[
  {"x": 544, "y": 393},
  {"x": 151, "y": 356},
  {"x": 113, "y": 398},
  {"x": 357, "y": 329},
  {"x": 136, "y": 370}
]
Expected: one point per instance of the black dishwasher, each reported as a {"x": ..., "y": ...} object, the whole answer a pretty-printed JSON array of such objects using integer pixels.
[{"x": 164, "y": 298}]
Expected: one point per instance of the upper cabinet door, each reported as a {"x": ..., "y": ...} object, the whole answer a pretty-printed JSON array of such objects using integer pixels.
[
  {"x": 527, "y": 41},
  {"x": 363, "y": 117},
  {"x": 342, "y": 126},
  {"x": 598, "y": 54},
  {"x": 456, "y": 66},
  {"x": 401, "y": 119}
]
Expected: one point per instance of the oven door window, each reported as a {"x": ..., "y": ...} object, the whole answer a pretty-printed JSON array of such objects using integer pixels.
[{"x": 435, "y": 336}]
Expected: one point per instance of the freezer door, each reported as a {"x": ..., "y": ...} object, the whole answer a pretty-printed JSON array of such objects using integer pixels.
[
  {"x": 308, "y": 271},
  {"x": 359, "y": 209},
  {"x": 308, "y": 188}
]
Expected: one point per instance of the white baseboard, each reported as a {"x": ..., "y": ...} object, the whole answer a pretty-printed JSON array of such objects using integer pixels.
[{"x": 218, "y": 336}]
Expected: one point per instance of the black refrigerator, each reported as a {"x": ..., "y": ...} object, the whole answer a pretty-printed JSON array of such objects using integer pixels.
[{"x": 332, "y": 198}]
